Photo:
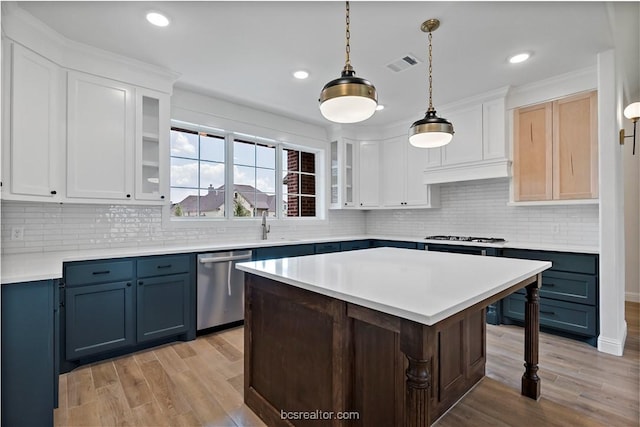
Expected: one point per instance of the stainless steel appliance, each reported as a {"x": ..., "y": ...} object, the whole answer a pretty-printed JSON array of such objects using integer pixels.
[
  {"x": 467, "y": 239},
  {"x": 220, "y": 288}
]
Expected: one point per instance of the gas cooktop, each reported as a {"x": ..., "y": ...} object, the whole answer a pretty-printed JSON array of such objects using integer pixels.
[{"x": 467, "y": 239}]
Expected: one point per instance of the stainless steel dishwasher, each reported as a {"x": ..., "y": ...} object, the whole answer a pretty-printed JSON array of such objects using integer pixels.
[{"x": 220, "y": 288}]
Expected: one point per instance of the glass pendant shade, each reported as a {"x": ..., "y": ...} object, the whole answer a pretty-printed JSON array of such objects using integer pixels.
[
  {"x": 430, "y": 132},
  {"x": 348, "y": 99},
  {"x": 632, "y": 111}
]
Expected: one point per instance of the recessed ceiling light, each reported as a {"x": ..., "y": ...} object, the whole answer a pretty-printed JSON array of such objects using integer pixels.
[
  {"x": 157, "y": 19},
  {"x": 380, "y": 107},
  {"x": 300, "y": 74},
  {"x": 520, "y": 57}
]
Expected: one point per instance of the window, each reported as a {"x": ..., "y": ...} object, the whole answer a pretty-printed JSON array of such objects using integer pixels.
[
  {"x": 212, "y": 171},
  {"x": 299, "y": 183},
  {"x": 197, "y": 174},
  {"x": 254, "y": 179}
]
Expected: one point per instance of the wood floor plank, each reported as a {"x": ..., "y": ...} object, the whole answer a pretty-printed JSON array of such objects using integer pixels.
[
  {"x": 84, "y": 415},
  {"x": 224, "y": 347},
  {"x": 183, "y": 350},
  {"x": 170, "y": 400},
  {"x": 134, "y": 384},
  {"x": 170, "y": 360},
  {"x": 150, "y": 414},
  {"x": 185, "y": 420},
  {"x": 145, "y": 356},
  {"x": 113, "y": 406},
  {"x": 103, "y": 374},
  {"x": 80, "y": 389}
]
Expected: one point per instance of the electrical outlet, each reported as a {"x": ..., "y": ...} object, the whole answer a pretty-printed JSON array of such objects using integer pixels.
[
  {"x": 556, "y": 228},
  {"x": 17, "y": 233}
]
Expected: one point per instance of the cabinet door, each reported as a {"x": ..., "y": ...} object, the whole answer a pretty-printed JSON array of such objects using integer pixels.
[
  {"x": 28, "y": 375},
  {"x": 532, "y": 153},
  {"x": 417, "y": 192},
  {"x": 348, "y": 187},
  {"x": 152, "y": 145},
  {"x": 100, "y": 138},
  {"x": 162, "y": 306},
  {"x": 393, "y": 172},
  {"x": 99, "y": 318},
  {"x": 35, "y": 126},
  {"x": 575, "y": 147},
  {"x": 369, "y": 185}
]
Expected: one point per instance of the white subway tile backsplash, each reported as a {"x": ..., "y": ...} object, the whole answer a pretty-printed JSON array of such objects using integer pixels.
[
  {"x": 480, "y": 208},
  {"x": 468, "y": 208}
]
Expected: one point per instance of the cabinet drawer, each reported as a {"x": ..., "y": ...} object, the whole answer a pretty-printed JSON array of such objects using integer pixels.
[
  {"x": 164, "y": 265},
  {"x": 572, "y": 287},
  {"x": 97, "y": 272},
  {"x": 354, "y": 245},
  {"x": 562, "y": 261},
  {"x": 560, "y": 315},
  {"x": 325, "y": 248}
]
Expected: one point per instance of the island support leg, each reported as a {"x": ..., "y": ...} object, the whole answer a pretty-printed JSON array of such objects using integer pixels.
[
  {"x": 530, "y": 379},
  {"x": 417, "y": 342}
]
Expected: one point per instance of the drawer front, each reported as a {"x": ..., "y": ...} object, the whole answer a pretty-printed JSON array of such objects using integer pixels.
[
  {"x": 562, "y": 261},
  {"x": 164, "y": 265},
  {"x": 565, "y": 316},
  {"x": 325, "y": 248},
  {"x": 572, "y": 287},
  {"x": 355, "y": 245},
  {"x": 97, "y": 272},
  {"x": 284, "y": 251}
]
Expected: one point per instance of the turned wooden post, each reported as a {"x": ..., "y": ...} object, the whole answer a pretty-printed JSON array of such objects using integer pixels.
[
  {"x": 530, "y": 379},
  {"x": 417, "y": 342}
]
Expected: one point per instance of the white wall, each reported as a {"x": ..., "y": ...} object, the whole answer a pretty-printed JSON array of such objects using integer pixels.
[{"x": 479, "y": 208}]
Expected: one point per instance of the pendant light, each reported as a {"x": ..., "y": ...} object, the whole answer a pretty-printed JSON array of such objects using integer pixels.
[
  {"x": 431, "y": 131},
  {"x": 348, "y": 99}
]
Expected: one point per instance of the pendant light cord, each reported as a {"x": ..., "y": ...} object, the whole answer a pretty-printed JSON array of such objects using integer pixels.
[
  {"x": 347, "y": 64},
  {"x": 430, "y": 77}
]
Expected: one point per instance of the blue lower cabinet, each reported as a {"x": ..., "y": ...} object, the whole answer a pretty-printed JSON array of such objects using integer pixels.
[
  {"x": 29, "y": 376},
  {"x": 394, "y": 244},
  {"x": 564, "y": 316},
  {"x": 283, "y": 251},
  {"x": 162, "y": 306},
  {"x": 99, "y": 318},
  {"x": 355, "y": 245},
  {"x": 325, "y": 248}
]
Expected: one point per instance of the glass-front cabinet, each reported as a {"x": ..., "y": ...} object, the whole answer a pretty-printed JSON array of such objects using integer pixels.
[
  {"x": 152, "y": 145},
  {"x": 342, "y": 173}
]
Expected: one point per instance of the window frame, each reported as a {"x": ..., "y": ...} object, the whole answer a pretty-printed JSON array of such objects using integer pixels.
[{"x": 229, "y": 220}]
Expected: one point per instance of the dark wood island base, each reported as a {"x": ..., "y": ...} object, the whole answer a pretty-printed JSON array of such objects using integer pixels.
[{"x": 315, "y": 360}]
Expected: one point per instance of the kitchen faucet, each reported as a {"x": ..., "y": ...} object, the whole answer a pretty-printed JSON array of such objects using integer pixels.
[{"x": 265, "y": 228}]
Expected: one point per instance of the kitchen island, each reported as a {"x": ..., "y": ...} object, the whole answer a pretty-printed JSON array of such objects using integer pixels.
[{"x": 379, "y": 337}]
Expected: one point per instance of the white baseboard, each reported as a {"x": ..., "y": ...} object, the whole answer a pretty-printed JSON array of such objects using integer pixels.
[
  {"x": 613, "y": 346},
  {"x": 632, "y": 296}
]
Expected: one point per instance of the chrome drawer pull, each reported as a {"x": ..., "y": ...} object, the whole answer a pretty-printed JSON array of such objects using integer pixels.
[
  {"x": 101, "y": 272},
  {"x": 548, "y": 312},
  {"x": 165, "y": 266}
]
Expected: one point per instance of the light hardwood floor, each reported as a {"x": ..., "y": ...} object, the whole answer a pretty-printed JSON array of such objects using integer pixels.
[{"x": 199, "y": 383}]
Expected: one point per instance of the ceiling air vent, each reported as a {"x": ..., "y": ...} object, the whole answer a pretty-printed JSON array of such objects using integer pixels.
[{"x": 401, "y": 64}]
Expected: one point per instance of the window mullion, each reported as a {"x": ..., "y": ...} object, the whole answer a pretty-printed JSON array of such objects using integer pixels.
[{"x": 228, "y": 176}]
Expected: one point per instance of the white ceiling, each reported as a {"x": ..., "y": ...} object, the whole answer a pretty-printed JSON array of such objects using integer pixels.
[{"x": 246, "y": 51}]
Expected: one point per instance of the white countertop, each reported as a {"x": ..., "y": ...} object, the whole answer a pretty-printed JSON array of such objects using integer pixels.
[
  {"x": 422, "y": 286},
  {"x": 27, "y": 267}
]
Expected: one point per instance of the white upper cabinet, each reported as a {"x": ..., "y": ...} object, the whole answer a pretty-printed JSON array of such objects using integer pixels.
[
  {"x": 402, "y": 166},
  {"x": 479, "y": 148},
  {"x": 342, "y": 172},
  {"x": 32, "y": 141},
  {"x": 100, "y": 138},
  {"x": 369, "y": 176},
  {"x": 152, "y": 145}
]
